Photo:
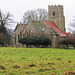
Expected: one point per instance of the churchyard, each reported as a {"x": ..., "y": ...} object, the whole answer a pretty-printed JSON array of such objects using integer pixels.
[{"x": 36, "y": 61}]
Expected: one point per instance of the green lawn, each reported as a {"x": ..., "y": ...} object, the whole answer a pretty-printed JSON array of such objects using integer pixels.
[{"x": 36, "y": 61}]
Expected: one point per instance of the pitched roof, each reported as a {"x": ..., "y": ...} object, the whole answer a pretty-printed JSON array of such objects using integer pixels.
[
  {"x": 48, "y": 24},
  {"x": 55, "y": 27},
  {"x": 23, "y": 25},
  {"x": 64, "y": 34},
  {"x": 38, "y": 26}
]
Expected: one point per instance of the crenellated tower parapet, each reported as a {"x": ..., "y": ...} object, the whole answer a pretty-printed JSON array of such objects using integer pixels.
[{"x": 55, "y": 13}]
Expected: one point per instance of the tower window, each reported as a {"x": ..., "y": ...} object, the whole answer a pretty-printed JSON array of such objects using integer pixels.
[{"x": 53, "y": 13}]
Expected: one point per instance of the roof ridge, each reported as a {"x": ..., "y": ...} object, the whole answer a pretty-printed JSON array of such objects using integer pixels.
[
  {"x": 53, "y": 25},
  {"x": 35, "y": 21}
]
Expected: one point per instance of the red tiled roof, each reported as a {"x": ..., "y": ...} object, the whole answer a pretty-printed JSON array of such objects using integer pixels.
[
  {"x": 55, "y": 27},
  {"x": 64, "y": 34},
  {"x": 24, "y": 26}
]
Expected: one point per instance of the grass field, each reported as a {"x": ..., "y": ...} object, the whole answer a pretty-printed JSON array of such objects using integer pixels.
[{"x": 36, "y": 61}]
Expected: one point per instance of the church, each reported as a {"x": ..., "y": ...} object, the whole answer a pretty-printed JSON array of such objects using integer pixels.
[{"x": 54, "y": 28}]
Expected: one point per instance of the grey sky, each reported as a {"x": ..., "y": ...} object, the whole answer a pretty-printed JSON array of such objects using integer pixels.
[{"x": 18, "y": 7}]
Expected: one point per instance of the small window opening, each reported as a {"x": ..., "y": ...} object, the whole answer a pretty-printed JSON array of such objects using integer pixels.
[{"x": 53, "y": 13}]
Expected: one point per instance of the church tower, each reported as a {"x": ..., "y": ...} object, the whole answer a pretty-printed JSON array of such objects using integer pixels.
[{"x": 55, "y": 14}]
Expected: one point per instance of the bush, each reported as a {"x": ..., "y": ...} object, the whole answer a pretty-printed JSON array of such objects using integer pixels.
[{"x": 36, "y": 41}]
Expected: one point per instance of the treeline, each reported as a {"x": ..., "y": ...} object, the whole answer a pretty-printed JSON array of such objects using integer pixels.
[
  {"x": 68, "y": 41},
  {"x": 6, "y": 20},
  {"x": 36, "y": 15}
]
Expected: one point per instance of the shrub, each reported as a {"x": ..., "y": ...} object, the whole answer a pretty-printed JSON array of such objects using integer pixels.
[
  {"x": 36, "y": 41},
  {"x": 67, "y": 41}
]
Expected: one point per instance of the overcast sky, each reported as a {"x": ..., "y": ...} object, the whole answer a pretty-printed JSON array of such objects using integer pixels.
[{"x": 18, "y": 7}]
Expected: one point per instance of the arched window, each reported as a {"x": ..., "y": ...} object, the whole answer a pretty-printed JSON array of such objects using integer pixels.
[
  {"x": 25, "y": 34},
  {"x": 29, "y": 34},
  {"x": 20, "y": 34},
  {"x": 53, "y": 13}
]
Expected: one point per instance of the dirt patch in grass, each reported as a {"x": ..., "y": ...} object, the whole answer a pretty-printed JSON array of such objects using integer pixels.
[
  {"x": 53, "y": 63},
  {"x": 69, "y": 73},
  {"x": 53, "y": 68},
  {"x": 16, "y": 66},
  {"x": 2, "y": 67},
  {"x": 69, "y": 61},
  {"x": 59, "y": 59},
  {"x": 42, "y": 70},
  {"x": 22, "y": 58},
  {"x": 48, "y": 63},
  {"x": 29, "y": 72},
  {"x": 32, "y": 65},
  {"x": 47, "y": 69}
]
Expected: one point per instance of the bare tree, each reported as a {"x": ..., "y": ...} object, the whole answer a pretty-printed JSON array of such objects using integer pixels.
[
  {"x": 36, "y": 15},
  {"x": 5, "y": 21},
  {"x": 43, "y": 14},
  {"x": 32, "y": 13},
  {"x": 72, "y": 27}
]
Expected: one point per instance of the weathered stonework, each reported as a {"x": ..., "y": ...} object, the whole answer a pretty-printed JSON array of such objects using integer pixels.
[
  {"x": 55, "y": 14},
  {"x": 53, "y": 29},
  {"x": 33, "y": 29}
]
